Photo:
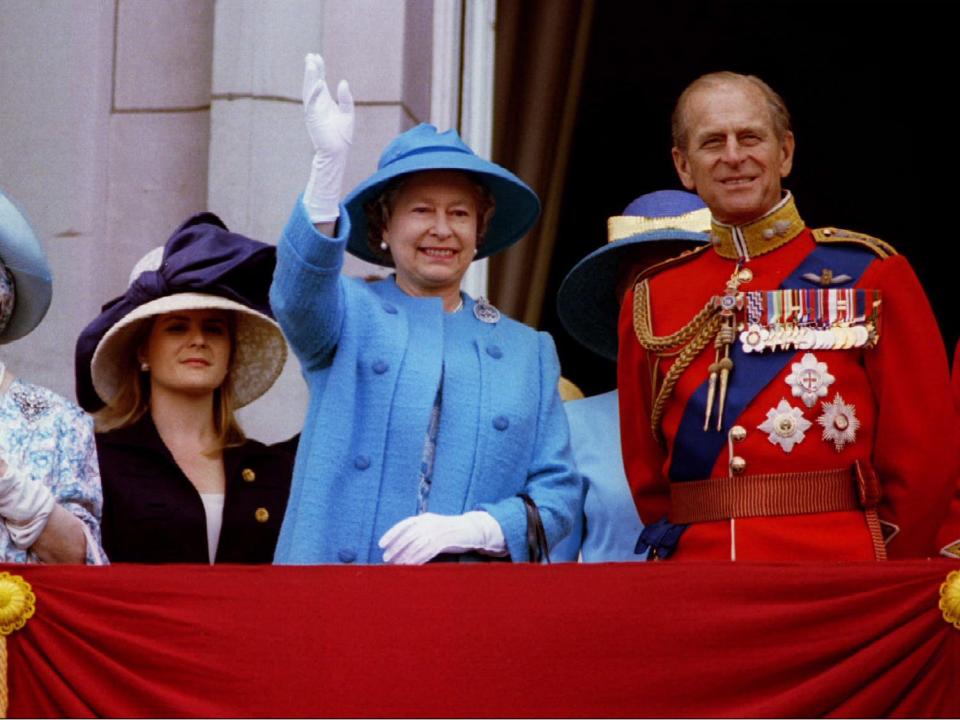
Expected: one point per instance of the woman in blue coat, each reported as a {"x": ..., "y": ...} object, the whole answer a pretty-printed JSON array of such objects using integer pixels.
[{"x": 429, "y": 411}]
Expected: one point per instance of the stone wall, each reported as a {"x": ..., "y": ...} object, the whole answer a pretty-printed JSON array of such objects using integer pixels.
[{"x": 119, "y": 119}]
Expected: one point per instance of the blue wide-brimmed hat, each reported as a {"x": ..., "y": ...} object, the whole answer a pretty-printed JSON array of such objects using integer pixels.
[
  {"x": 20, "y": 251},
  {"x": 653, "y": 227},
  {"x": 423, "y": 148}
]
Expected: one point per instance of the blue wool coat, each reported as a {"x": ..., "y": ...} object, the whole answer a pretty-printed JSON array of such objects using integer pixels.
[
  {"x": 609, "y": 527},
  {"x": 373, "y": 358}
]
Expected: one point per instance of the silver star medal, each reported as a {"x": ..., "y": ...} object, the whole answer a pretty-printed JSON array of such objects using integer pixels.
[
  {"x": 485, "y": 312},
  {"x": 785, "y": 425},
  {"x": 754, "y": 338},
  {"x": 809, "y": 379},
  {"x": 839, "y": 421}
]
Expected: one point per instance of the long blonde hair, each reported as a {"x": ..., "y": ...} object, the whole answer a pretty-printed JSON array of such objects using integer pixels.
[{"x": 132, "y": 399}]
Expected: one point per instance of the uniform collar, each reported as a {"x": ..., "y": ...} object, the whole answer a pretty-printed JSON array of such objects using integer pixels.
[{"x": 778, "y": 227}]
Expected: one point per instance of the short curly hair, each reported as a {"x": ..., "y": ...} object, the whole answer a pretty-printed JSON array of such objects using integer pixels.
[{"x": 379, "y": 209}]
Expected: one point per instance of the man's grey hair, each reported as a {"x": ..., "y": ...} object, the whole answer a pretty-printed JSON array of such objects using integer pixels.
[{"x": 779, "y": 115}]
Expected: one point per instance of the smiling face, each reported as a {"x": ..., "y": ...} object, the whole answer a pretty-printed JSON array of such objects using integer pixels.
[
  {"x": 733, "y": 159},
  {"x": 188, "y": 351},
  {"x": 432, "y": 232}
]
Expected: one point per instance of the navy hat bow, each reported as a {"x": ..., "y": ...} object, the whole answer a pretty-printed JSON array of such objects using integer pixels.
[{"x": 201, "y": 256}]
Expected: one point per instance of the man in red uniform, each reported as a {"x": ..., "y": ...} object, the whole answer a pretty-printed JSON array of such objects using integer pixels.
[{"x": 784, "y": 391}]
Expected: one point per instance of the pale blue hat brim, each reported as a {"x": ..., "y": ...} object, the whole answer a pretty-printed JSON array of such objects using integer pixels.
[{"x": 23, "y": 256}]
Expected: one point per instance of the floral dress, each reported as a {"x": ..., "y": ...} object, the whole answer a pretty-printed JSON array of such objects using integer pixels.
[{"x": 50, "y": 440}]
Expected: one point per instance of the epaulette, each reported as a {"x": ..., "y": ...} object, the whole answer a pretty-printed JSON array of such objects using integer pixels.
[
  {"x": 836, "y": 235},
  {"x": 670, "y": 262}
]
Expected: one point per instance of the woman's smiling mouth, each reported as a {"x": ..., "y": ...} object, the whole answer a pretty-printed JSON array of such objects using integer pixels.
[{"x": 440, "y": 253}]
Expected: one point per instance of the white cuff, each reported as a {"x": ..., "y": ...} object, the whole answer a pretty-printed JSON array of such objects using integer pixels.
[
  {"x": 494, "y": 543},
  {"x": 322, "y": 194},
  {"x": 24, "y": 534}
]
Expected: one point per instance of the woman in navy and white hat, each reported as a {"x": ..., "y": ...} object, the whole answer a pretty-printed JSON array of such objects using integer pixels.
[
  {"x": 429, "y": 411},
  {"x": 164, "y": 366},
  {"x": 50, "y": 498},
  {"x": 652, "y": 228}
]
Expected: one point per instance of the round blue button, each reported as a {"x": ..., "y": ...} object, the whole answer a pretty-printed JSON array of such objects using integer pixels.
[
  {"x": 361, "y": 462},
  {"x": 501, "y": 423},
  {"x": 494, "y": 351},
  {"x": 380, "y": 367},
  {"x": 390, "y": 308},
  {"x": 347, "y": 555}
]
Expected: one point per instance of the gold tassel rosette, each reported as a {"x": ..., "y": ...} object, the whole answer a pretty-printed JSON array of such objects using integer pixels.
[
  {"x": 950, "y": 599},
  {"x": 17, "y": 605}
]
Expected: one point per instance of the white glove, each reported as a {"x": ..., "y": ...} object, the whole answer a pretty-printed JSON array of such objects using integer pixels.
[
  {"x": 25, "y": 505},
  {"x": 417, "y": 539},
  {"x": 330, "y": 126}
]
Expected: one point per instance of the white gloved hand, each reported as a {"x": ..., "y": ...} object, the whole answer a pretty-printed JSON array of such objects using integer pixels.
[
  {"x": 330, "y": 126},
  {"x": 25, "y": 505},
  {"x": 417, "y": 539}
]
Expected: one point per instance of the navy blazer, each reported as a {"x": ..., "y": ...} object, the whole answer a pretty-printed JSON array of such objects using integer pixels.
[{"x": 153, "y": 514}]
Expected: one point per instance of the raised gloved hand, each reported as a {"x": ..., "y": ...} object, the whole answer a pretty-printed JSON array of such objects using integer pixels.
[
  {"x": 25, "y": 506},
  {"x": 417, "y": 539},
  {"x": 330, "y": 126}
]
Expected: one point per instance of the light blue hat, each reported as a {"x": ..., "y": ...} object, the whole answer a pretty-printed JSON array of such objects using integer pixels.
[
  {"x": 21, "y": 253},
  {"x": 423, "y": 148},
  {"x": 653, "y": 227}
]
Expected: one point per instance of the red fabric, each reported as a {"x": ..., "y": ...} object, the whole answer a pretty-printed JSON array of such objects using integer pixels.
[
  {"x": 899, "y": 390},
  {"x": 657, "y": 639},
  {"x": 955, "y": 375},
  {"x": 948, "y": 539}
]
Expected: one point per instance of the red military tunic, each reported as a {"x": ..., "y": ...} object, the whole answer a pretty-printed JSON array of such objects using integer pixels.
[{"x": 898, "y": 390}]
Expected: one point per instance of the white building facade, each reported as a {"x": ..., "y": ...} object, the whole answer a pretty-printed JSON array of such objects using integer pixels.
[{"x": 121, "y": 118}]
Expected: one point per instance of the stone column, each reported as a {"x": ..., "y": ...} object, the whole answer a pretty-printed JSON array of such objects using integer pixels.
[
  {"x": 260, "y": 152},
  {"x": 103, "y": 142}
]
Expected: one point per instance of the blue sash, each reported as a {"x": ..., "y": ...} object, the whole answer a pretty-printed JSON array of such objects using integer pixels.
[{"x": 695, "y": 451}]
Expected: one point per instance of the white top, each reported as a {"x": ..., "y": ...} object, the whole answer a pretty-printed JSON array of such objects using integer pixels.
[{"x": 213, "y": 507}]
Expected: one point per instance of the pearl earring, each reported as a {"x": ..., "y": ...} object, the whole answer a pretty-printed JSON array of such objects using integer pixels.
[
  {"x": 144, "y": 367},
  {"x": 384, "y": 246}
]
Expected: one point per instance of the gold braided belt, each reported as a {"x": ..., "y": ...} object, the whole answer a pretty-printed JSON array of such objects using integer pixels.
[{"x": 685, "y": 344}]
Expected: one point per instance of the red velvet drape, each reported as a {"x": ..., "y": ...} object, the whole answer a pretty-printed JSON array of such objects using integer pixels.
[{"x": 844, "y": 639}]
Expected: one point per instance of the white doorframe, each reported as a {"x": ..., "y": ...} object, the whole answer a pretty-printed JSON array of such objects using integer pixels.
[{"x": 465, "y": 30}]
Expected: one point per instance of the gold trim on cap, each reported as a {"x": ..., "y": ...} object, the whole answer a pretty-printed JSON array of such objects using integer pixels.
[{"x": 624, "y": 226}]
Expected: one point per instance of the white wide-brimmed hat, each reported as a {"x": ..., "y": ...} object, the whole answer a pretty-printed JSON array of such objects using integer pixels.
[{"x": 200, "y": 256}]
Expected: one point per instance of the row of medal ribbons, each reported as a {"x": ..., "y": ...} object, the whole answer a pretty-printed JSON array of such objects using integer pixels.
[{"x": 810, "y": 319}]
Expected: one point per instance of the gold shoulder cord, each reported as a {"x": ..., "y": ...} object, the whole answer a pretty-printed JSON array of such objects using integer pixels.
[
  {"x": 686, "y": 343},
  {"x": 880, "y": 247}
]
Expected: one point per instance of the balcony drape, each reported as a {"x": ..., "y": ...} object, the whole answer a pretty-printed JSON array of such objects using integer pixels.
[{"x": 658, "y": 639}]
